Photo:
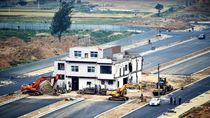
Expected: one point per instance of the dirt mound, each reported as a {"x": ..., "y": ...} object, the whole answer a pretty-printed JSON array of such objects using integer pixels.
[
  {"x": 165, "y": 23},
  {"x": 15, "y": 51}
]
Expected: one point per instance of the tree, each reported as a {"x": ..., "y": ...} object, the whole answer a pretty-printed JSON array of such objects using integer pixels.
[
  {"x": 159, "y": 7},
  {"x": 62, "y": 19},
  {"x": 22, "y": 3}
]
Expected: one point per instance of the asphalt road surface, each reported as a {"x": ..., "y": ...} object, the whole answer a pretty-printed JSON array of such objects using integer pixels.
[
  {"x": 23, "y": 106},
  {"x": 188, "y": 93},
  {"x": 84, "y": 109},
  {"x": 189, "y": 67},
  {"x": 175, "y": 52},
  {"x": 176, "y": 37},
  {"x": 11, "y": 72},
  {"x": 18, "y": 82}
]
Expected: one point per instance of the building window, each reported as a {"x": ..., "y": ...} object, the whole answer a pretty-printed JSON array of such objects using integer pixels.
[
  {"x": 77, "y": 53},
  {"x": 126, "y": 67},
  {"x": 120, "y": 72},
  {"x": 61, "y": 77},
  {"x": 88, "y": 84},
  {"x": 106, "y": 70},
  {"x": 91, "y": 69},
  {"x": 94, "y": 54},
  {"x": 86, "y": 55},
  {"x": 102, "y": 82},
  {"x": 61, "y": 66},
  {"x": 110, "y": 82},
  {"x": 130, "y": 67},
  {"x": 74, "y": 68}
]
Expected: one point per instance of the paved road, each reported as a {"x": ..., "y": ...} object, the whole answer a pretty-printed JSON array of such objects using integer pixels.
[
  {"x": 6, "y": 74},
  {"x": 84, "y": 109},
  {"x": 175, "y": 52},
  {"x": 190, "y": 67},
  {"x": 186, "y": 94},
  {"x": 178, "y": 37},
  {"x": 23, "y": 106},
  {"x": 18, "y": 82}
]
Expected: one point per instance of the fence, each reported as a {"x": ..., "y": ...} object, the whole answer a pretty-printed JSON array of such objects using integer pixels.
[{"x": 46, "y": 26}]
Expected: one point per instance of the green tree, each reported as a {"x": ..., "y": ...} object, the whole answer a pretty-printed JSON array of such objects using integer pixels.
[
  {"x": 62, "y": 19},
  {"x": 159, "y": 7}
]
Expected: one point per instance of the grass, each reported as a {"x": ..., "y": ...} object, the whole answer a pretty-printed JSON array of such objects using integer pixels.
[
  {"x": 25, "y": 35},
  {"x": 99, "y": 36}
]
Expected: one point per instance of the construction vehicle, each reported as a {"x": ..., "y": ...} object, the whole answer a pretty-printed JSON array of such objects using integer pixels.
[
  {"x": 162, "y": 87},
  {"x": 34, "y": 88},
  {"x": 119, "y": 94}
]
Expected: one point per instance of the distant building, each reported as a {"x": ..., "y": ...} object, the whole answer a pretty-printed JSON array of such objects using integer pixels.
[{"x": 94, "y": 66}]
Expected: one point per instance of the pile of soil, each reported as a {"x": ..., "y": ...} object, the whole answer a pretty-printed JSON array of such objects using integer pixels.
[
  {"x": 163, "y": 23},
  {"x": 199, "y": 112},
  {"x": 15, "y": 51}
]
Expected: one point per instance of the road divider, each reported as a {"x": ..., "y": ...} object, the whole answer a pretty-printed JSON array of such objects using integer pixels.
[
  {"x": 6, "y": 99},
  {"x": 51, "y": 108},
  {"x": 39, "y": 72},
  {"x": 185, "y": 107},
  {"x": 145, "y": 42},
  {"x": 167, "y": 46},
  {"x": 179, "y": 60}
]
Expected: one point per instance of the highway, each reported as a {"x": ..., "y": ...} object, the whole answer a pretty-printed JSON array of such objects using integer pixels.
[
  {"x": 84, "y": 109},
  {"x": 166, "y": 55},
  {"x": 178, "y": 37},
  {"x": 189, "y": 67},
  {"x": 12, "y": 72},
  {"x": 186, "y": 94},
  {"x": 18, "y": 82},
  {"x": 23, "y": 106}
]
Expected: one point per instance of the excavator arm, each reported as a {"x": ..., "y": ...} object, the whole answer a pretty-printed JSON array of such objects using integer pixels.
[
  {"x": 119, "y": 94},
  {"x": 34, "y": 88}
]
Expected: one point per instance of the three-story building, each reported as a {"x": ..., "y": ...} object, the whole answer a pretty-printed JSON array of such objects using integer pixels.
[{"x": 94, "y": 66}]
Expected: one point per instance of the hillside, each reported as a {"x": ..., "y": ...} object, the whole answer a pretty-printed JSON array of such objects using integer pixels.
[{"x": 14, "y": 51}]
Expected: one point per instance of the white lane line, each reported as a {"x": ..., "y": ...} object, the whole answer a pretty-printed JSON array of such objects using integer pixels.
[
  {"x": 166, "y": 47},
  {"x": 182, "y": 61}
]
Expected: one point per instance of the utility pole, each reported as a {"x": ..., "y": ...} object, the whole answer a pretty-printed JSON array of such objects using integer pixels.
[
  {"x": 140, "y": 83},
  {"x": 158, "y": 80}
]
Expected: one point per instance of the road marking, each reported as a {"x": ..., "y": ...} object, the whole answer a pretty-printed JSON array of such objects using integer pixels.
[
  {"x": 145, "y": 42},
  {"x": 201, "y": 70},
  {"x": 166, "y": 47},
  {"x": 113, "y": 108},
  {"x": 167, "y": 95},
  {"x": 185, "y": 107},
  {"x": 182, "y": 61},
  {"x": 50, "y": 110}
]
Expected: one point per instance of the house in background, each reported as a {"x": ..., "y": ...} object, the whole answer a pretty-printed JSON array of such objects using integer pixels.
[{"x": 93, "y": 66}]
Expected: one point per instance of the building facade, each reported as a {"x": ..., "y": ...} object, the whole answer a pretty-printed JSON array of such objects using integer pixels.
[{"x": 93, "y": 66}]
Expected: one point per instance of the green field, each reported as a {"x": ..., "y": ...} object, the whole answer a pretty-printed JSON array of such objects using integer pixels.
[{"x": 98, "y": 36}]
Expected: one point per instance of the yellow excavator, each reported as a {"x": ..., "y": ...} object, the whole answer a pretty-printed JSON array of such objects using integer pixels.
[{"x": 119, "y": 94}]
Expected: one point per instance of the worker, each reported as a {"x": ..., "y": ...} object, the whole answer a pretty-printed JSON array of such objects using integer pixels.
[
  {"x": 174, "y": 100},
  {"x": 180, "y": 100},
  {"x": 171, "y": 100}
]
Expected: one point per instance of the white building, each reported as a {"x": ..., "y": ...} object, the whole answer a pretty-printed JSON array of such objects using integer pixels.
[{"x": 104, "y": 67}]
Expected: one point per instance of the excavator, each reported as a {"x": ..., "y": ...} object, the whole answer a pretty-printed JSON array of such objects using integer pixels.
[
  {"x": 34, "y": 88},
  {"x": 119, "y": 94},
  {"x": 162, "y": 87}
]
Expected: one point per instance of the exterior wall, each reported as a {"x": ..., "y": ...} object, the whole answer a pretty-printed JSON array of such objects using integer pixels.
[
  {"x": 85, "y": 50},
  {"x": 82, "y": 70},
  {"x": 120, "y": 70}
]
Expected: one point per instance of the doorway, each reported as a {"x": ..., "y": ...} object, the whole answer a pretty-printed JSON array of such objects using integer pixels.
[
  {"x": 125, "y": 80},
  {"x": 75, "y": 83}
]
